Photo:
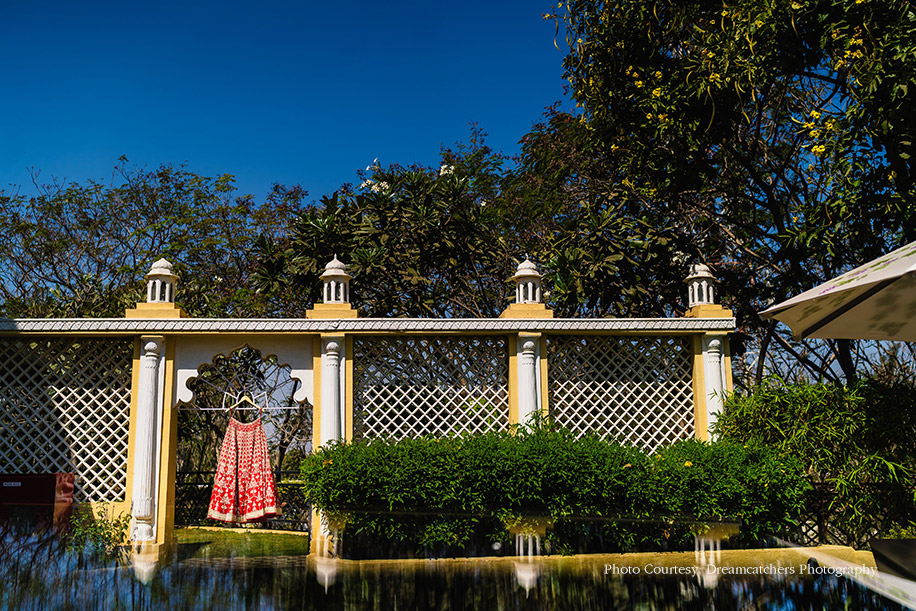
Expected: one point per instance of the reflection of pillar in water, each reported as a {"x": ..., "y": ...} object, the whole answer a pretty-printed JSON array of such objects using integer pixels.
[
  {"x": 707, "y": 554},
  {"x": 526, "y": 573},
  {"x": 326, "y": 572},
  {"x": 329, "y": 548},
  {"x": 144, "y": 565}
]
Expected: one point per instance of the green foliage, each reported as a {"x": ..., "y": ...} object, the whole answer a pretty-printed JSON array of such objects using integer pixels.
[
  {"x": 604, "y": 254},
  {"x": 83, "y": 249},
  {"x": 440, "y": 492},
  {"x": 418, "y": 241},
  {"x": 857, "y": 443},
  {"x": 97, "y": 536},
  {"x": 747, "y": 483},
  {"x": 774, "y": 139}
]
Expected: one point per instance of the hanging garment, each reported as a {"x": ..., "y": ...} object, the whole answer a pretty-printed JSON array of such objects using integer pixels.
[{"x": 244, "y": 489}]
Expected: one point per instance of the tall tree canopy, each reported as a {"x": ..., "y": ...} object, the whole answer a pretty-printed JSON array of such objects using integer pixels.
[
  {"x": 419, "y": 241},
  {"x": 779, "y": 132},
  {"x": 83, "y": 249},
  {"x": 443, "y": 241}
]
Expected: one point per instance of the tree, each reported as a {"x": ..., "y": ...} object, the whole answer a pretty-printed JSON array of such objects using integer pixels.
[
  {"x": 419, "y": 241},
  {"x": 428, "y": 242},
  {"x": 605, "y": 253},
  {"x": 780, "y": 133},
  {"x": 83, "y": 249}
]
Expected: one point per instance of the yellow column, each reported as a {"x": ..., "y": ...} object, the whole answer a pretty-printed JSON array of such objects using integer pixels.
[
  {"x": 160, "y": 457},
  {"x": 513, "y": 380},
  {"x": 337, "y": 306},
  {"x": 169, "y": 453},
  {"x": 711, "y": 380}
]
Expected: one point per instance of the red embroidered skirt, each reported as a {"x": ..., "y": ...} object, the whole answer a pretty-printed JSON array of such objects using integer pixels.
[{"x": 244, "y": 489}]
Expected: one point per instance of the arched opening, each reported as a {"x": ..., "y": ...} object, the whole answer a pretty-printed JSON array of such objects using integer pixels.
[{"x": 244, "y": 385}]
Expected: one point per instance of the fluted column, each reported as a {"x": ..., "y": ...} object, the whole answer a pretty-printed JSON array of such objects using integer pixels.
[
  {"x": 713, "y": 368},
  {"x": 528, "y": 387},
  {"x": 331, "y": 425},
  {"x": 142, "y": 505}
]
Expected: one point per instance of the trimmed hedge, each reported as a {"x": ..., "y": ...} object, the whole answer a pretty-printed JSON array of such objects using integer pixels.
[{"x": 449, "y": 494}]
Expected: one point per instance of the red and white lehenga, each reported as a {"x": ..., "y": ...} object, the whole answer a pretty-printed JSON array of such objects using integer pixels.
[{"x": 244, "y": 489}]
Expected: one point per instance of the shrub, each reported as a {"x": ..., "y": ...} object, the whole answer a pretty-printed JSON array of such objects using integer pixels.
[
  {"x": 97, "y": 536},
  {"x": 857, "y": 444},
  {"x": 441, "y": 494}
]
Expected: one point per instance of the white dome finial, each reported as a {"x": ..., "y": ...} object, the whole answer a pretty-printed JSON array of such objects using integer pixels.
[
  {"x": 161, "y": 283},
  {"x": 336, "y": 282},
  {"x": 527, "y": 282},
  {"x": 700, "y": 286}
]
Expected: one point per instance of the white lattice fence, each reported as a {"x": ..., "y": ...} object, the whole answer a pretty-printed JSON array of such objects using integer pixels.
[
  {"x": 65, "y": 407},
  {"x": 636, "y": 389},
  {"x": 431, "y": 385}
]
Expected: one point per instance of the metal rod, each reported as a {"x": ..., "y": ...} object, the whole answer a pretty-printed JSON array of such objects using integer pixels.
[{"x": 239, "y": 409}]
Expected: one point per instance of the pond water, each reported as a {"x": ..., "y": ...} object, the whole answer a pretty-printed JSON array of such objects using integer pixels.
[{"x": 39, "y": 573}]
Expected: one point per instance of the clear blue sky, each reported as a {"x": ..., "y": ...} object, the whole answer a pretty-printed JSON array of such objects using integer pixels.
[{"x": 291, "y": 92}]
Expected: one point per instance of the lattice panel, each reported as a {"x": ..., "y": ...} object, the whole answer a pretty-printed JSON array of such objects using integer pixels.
[
  {"x": 431, "y": 385},
  {"x": 65, "y": 407},
  {"x": 821, "y": 524},
  {"x": 636, "y": 389}
]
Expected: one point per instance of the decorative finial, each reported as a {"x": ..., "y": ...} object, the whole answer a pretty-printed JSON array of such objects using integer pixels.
[
  {"x": 527, "y": 282},
  {"x": 700, "y": 286},
  {"x": 336, "y": 282},
  {"x": 161, "y": 283}
]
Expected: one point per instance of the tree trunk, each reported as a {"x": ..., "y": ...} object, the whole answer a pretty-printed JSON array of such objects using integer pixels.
[{"x": 844, "y": 356}]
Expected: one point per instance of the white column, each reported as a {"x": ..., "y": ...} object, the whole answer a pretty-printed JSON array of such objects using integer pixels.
[
  {"x": 342, "y": 396},
  {"x": 528, "y": 387},
  {"x": 713, "y": 372},
  {"x": 145, "y": 443},
  {"x": 331, "y": 347}
]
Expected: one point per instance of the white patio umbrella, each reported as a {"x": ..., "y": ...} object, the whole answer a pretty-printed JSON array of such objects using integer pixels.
[{"x": 874, "y": 301}]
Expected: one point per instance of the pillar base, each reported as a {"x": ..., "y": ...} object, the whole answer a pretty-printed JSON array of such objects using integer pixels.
[
  {"x": 332, "y": 310},
  {"x": 155, "y": 310},
  {"x": 526, "y": 310},
  {"x": 708, "y": 310}
]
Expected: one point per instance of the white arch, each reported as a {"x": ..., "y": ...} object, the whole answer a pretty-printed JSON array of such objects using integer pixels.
[{"x": 294, "y": 352}]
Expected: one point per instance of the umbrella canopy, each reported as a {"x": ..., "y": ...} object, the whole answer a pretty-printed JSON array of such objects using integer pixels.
[{"x": 874, "y": 301}]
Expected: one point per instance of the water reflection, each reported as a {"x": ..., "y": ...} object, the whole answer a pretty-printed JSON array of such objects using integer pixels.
[
  {"x": 708, "y": 558},
  {"x": 329, "y": 544},
  {"x": 39, "y": 573},
  {"x": 144, "y": 564},
  {"x": 527, "y": 571}
]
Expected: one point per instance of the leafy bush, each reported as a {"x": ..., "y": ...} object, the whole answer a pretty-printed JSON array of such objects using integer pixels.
[
  {"x": 858, "y": 445},
  {"x": 97, "y": 536},
  {"x": 443, "y": 494}
]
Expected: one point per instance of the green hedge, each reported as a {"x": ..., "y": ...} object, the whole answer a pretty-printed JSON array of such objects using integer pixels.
[
  {"x": 442, "y": 494},
  {"x": 857, "y": 444}
]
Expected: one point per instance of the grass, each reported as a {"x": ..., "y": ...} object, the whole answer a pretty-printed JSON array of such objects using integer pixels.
[{"x": 226, "y": 543}]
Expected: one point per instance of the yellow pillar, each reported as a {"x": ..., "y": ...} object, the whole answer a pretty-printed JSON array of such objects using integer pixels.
[
  {"x": 152, "y": 433},
  {"x": 336, "y": 306},
  {"x": 711, "y": 369}
]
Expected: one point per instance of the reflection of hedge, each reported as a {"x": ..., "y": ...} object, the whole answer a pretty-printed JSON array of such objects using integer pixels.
[
  {"x": 858, "y": 444},
  {"x": 443, "y": 494}
]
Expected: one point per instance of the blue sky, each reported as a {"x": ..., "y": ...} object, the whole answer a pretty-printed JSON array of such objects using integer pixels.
[{"x": 291, "y": 92}]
